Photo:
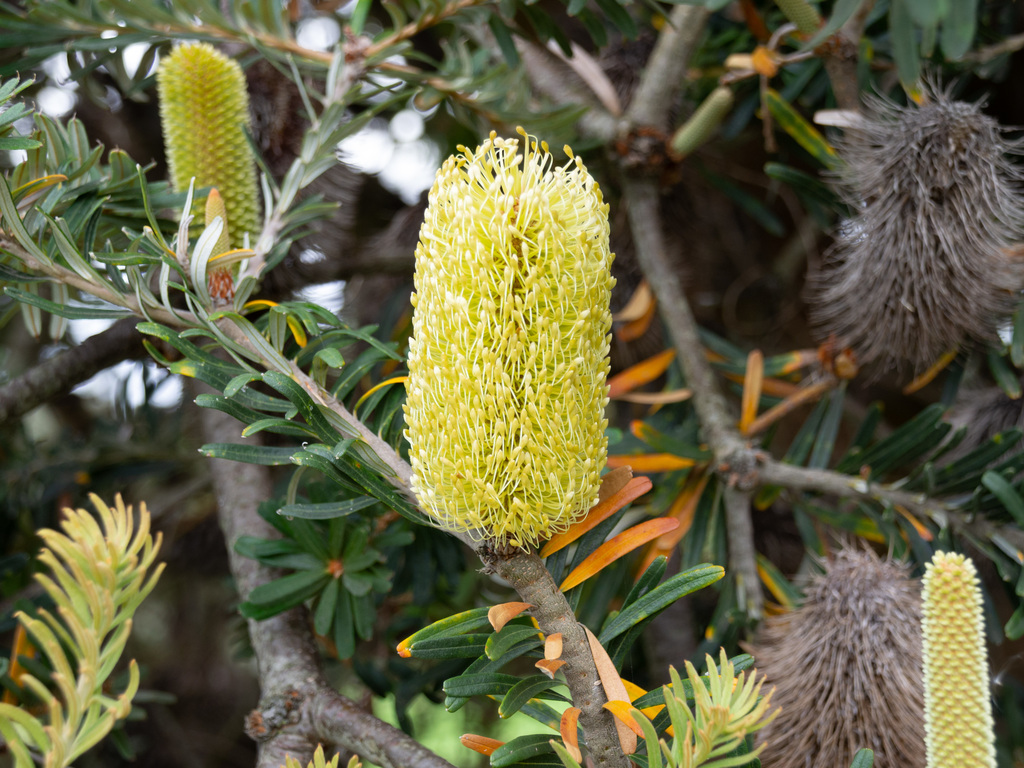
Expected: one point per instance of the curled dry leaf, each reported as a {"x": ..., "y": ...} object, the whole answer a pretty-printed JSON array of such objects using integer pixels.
[{"x": 501, "y": 614}]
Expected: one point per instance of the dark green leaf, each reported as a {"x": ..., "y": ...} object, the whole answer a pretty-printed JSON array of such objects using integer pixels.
[
  {"x": 959, "y": 27},
  {"x": 1015, "y": 626},
  {"x": 904, "y": 44},
  {"x": 326, "y": 510},
  {"x": 70, "y": 311},
  {"x": 522, "y": 748},
  {"x": 323, "y": 616},
  {"x": 265, "y": 455},
  {"x": 284, "y": 593},
  {"x": 661, "y": 597},
  {"x": 1006, "y": 378},
  {"x": 841, "y": 12},
  {"x": 526, "y": 689},
  {"x": 1006, "y": 493},
  {"x": 511, "y": 635},
  {"x": 467, "y": 646}
]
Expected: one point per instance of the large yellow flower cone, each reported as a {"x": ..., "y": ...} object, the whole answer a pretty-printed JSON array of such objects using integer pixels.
[{"x": 509, "y": 356}]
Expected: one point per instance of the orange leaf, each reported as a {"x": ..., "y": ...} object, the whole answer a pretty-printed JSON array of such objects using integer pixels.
[
  {"x": 683, "y": 509},
  {"x": 570, "y": 735},
  {"x": 651, "y": 462},
  {"x": 773, "y": 414},
  {"x": 613, "y": 482},
  {"x": 641, "y": 373},
  {"x": 550, "y": 666},
  {"x": 553, "y": 646},
  {"x": 921, "y": 529},
  {"x": 635, "y": 692},
  {"x": 601, "y": 511},
  {"x": 657, "y": 398},
  {"x": 637, "y": 306},
  {"x": 22, "y": 646},
  {"x": 634, "y": 329},
  {"x": 614, "y": 690},
  {"x": 618, "y": 546},
  {"x": 623, "y": 712},
  {"x": 481, "y": 744},
  {"x": 500, "y": 615},
  {"x": 752, "y": 383},
  {"x": 926, "y": 378},
  {"x": 799, "y": 359}
]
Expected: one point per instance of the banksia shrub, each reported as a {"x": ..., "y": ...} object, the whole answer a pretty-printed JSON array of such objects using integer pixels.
[
  {"x": 509, "y": 355},
  {"x": 921, "y": 266},
  {"x": 204, "y": 109},
  {"x": 958, "y": 707},
  {"x": 846, "y": 669}
]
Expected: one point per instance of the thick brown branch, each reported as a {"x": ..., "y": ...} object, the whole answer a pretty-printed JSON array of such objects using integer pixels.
[
  {"x": 298, "y": 708},
  {"x": 59, "y": 374},
  {"x": 666, "y": 67},
  {"x": 531, "y": 579}
]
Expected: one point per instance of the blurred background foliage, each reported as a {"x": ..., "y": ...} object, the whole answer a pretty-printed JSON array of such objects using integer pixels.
[{"x": 748, "y": 214}]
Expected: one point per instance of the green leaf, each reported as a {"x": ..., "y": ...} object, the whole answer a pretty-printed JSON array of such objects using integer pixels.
[
  {"x": 1014, "y": 628},
  {"x": 504, "y": 39},
  {"x": 661, "y": 597},
  {"x": 1006, "y": 378},
  {"x": 70, "y": 311},
  {"x": 958, "y": 28},
  {"x": 326, "y": 510},
  {"x": 865, "y": 758},
  {"x": 459, "y": 623},
  {"x": 927, "y": 13},
  {"x": 826, "y": 439},
  {"x": 841, "y": 13},
  {"x": 805, "y": 134},
  {"x": 619, "y": 17},
  {"x": 467, "y": 646},
  {"x": 479, "y": 684},
  {"x": 323, "y": 616},
  {"x": 511, "y": 635},
  {"x": 521, "y": 693},
  {"x": 280, "y": 427},
  {"x": 522, "y": 748},
  {"x": 18, "y": 142},
  {"x": 264, "y": 455},
  {"x": 904, "y": 44},
  {"x": 284, "y": 593},
  {"x": 1006, "y": 493}
]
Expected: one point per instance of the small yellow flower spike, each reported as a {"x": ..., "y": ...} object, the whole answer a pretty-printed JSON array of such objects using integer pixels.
[
  {"x": 958, "y": 709},
  {"x": 204, "y": 108},
  {"x": 508, "y": 361}
]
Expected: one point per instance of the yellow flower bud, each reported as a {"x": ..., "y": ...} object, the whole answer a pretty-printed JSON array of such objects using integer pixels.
[
  {"x": 958, "y": 709},
  {"x": 508, "y": 361}
]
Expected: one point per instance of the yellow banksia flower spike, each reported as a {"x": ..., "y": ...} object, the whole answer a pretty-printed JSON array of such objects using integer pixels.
[
  {"x": 958, "y": 709},
  {"x": 508, "y": 361},
  {"x": 204, "y": 109}
]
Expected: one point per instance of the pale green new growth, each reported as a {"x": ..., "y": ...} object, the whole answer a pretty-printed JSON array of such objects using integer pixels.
[
  {"x": 98, "y": 580},
  {"x": 508, "y": 362},
  {"x": 727, "y": 708},
  {"x": 957, "y": 702},
  {"x": 319, "y": 761}
]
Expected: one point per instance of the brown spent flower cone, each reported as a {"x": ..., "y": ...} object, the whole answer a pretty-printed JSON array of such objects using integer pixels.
[
  {"x": 923, "y": 266},
  {"x": 846, "y": 667}
]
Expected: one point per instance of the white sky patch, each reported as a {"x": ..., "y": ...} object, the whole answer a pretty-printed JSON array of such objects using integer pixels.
[
  {"x": 129, "y": 376},
  {"x": 330, "y": 296},
  {"x": 133, "y": 54},
  {"x": 55, "y": 102},
  {"x": 319, "y": 34}
]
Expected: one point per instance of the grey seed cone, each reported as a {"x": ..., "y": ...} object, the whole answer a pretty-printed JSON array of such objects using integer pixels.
[
  {"x": 921, "y": 268},
  {"x": 846, "y": 667}
]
